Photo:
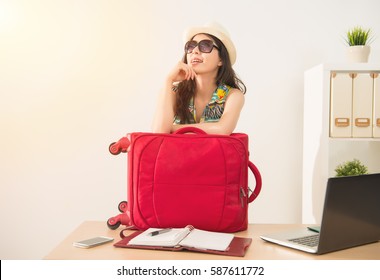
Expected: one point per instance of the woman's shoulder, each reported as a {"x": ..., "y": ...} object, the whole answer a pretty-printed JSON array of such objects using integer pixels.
[
  {"x": 223, "y": 90},
  {"x": 223, "y": 93},
  {"x": 237, "y": 93},
  {"x": 236, "y": 97}
]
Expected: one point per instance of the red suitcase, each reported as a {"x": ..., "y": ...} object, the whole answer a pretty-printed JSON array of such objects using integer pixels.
[{"x": 185, "y": 178}]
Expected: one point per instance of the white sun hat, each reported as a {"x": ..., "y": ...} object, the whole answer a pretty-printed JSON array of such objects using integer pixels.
[{"x": 215, "y": 29}]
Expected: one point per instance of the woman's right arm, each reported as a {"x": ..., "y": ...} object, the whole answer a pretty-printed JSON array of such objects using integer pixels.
[{"x": 164, "y": 116}]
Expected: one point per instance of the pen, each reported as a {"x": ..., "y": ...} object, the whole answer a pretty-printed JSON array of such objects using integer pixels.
[{"x": 157, "y": 232}]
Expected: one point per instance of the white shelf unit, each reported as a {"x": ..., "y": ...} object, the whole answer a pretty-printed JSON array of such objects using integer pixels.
[{"x": 321, "y": 153}]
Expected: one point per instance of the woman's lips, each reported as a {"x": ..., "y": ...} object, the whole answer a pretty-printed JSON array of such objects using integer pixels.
[{"x": 196, "y": 61}]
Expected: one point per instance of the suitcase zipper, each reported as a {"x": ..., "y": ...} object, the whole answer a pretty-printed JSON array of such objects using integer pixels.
[{"x": 242, "y": 196}]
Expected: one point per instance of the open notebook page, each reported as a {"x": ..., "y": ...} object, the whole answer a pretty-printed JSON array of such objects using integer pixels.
[
  {"x": 207, "y": 240},
  {"x": 167, "y": 239}
]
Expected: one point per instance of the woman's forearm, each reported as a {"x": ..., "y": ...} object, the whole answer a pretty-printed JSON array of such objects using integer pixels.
[{"x": 163, "y": 119}]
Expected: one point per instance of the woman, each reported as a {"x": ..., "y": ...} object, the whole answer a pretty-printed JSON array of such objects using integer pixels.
[{"x": 202, "y": 90}]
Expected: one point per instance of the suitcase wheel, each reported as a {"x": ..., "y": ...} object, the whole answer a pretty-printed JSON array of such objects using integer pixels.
[
  {"x": 123, "y": 206},
  {"x": 114, "y": 149},
  {"x": 113, "y": 224},
  {"x": 120, "y": 146}
]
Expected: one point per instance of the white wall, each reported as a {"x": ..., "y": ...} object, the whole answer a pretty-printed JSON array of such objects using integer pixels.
[{"x": 77, "y": 75}]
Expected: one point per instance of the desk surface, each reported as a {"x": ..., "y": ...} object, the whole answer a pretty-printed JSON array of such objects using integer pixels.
[{"x": 259, "y": 249}]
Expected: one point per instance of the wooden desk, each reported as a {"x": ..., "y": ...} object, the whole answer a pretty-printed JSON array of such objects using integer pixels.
[{"x": 259, "y": 249}]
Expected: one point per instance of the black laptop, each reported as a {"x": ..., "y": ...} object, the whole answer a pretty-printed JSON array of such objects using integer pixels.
[{"x": 351, "y": 217}]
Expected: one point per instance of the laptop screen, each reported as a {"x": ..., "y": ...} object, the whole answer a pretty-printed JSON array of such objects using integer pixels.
[{"x": 351, "y": 214}]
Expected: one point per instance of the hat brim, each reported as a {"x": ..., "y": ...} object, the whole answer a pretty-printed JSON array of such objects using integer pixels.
[{"x": 191, "y": 32}]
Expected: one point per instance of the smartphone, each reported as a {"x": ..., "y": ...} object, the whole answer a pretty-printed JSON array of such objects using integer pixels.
[{"x": 92, "y": 242}]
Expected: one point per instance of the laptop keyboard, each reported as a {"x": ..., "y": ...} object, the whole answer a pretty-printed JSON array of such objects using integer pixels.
[{"x": 311, "y": 240}]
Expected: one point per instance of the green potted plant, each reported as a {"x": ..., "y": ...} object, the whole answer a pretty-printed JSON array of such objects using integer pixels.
[
  {"x": 351, "y": 168},
  {"x": 358, "y": 40}
]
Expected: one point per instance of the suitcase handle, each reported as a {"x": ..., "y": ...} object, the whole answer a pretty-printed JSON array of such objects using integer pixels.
[
  {"x": 189, "y": 129},
  {"x": 258, "y": 179}
]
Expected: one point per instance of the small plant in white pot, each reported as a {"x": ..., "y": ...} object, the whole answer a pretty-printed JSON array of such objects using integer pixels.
[{"x": 358, "y": 40}]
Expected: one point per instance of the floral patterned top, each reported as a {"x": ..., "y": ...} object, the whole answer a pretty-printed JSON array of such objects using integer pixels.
[{"x": 214, "y": 109}]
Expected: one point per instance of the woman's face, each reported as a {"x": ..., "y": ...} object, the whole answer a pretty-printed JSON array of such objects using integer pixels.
[{"x": 204, "y": 62}]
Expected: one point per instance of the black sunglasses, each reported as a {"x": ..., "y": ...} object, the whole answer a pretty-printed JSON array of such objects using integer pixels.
[{"x": 204, "y": 46}]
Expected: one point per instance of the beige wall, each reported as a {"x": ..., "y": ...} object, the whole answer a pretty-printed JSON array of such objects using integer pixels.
[{"x": 77, "y": 75}]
